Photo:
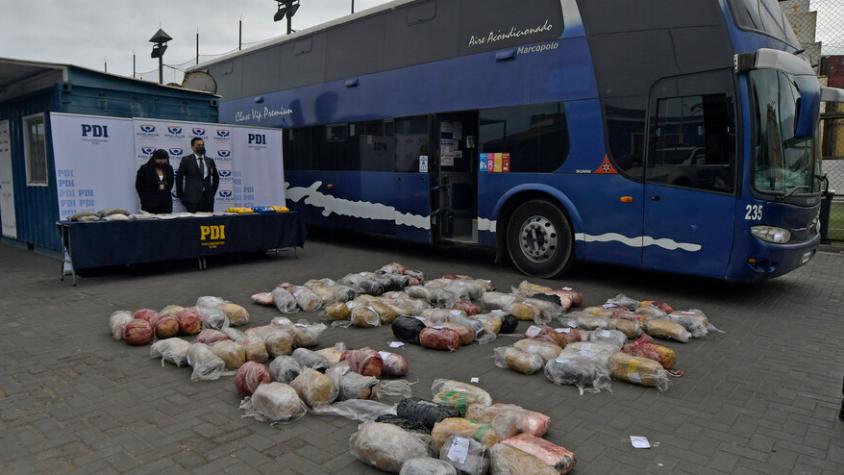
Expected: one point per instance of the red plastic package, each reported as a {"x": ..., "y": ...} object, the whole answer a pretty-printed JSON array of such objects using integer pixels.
[
  {"x": 366, "y": 362},
  {"x": 209, "y": 336},
  {"x": 138, "y": 332},
  {"x": 442, "y": 339},
  {"x": 166, "y": 326},
  {"x": 395, "y": 366},
  {"x": 557, "y": 336},
  {"x": 250, "y": 376},
  {"x": 468, "y": 307},
  {"x": 646, "y": 347},
  {"x": 147, "y": 314},
  {"x": 562, "y": 459},
  {"x": 190, "y": 323}
]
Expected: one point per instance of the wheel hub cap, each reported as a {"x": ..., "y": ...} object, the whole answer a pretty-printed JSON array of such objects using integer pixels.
[{"x": 538, "y": 239}]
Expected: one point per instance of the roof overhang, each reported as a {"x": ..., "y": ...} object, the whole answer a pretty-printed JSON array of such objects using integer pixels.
[{"x": 19, "y": 78}]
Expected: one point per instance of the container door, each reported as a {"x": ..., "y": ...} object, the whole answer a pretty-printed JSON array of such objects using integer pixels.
[
  {"x": 7, "y": 184},
  {"x": 412, "y": 184},
  {"x": 690, "y": 176}
]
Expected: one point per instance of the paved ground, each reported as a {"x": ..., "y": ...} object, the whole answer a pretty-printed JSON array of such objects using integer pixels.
[{"x": 762, "y": 398}]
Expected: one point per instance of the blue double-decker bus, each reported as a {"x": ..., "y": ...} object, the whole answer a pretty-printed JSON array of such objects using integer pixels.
[{"x": 670, "y": 135}]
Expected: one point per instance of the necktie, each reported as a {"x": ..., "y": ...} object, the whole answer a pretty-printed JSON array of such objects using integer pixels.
[{"x": 201, "y": 166}]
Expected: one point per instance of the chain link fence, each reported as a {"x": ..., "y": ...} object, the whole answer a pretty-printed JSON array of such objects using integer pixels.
[{"x": 819, "y": 24}]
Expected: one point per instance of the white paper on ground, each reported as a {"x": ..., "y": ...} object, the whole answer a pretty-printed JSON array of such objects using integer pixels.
[
  {"x": 396, "y": 344},
  {"x": 639, "y": 442},
  {"x": 475, "y": 380}
]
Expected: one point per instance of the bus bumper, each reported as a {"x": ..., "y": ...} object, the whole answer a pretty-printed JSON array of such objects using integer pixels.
[{"x": 761, "y": 260}]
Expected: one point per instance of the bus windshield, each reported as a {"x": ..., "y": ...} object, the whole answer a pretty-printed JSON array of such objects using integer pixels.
[
  {"x": 764, "y": 16},
  {"x": 782, "y": 164}
]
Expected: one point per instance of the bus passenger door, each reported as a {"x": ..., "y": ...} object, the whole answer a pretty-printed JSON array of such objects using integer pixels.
[
  {"x": 412, "y": 185},
  {"x": 690, "y": 175},
  {"x": 454, "y": 190}
]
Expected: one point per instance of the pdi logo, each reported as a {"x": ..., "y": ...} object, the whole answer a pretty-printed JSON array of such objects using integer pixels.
[
  {"x": 147, "y": 150},
  {"x": 224, "y": 153},
  {"x": 147, "y": 129},
  {"x": 174, "y": 130},
  {"x": 257, "y": 139},
  {"x": 225, "y": 194},
  {"x": 224, "y": 134},
  {"x": 225, "y": 173},
  {"x": 98, "y": 131},
  {"x": 212, "y": 233},
  {"x": 199, "y": 132},
  {"x": 176, "y": 152}
]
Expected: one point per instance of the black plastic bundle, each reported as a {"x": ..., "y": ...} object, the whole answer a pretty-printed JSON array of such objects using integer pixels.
[
  {"x": 405, "y": 424},
  {"x": 509, "y": 324},
  {"x": 408, "y": 329},
  {"x": 548, "y": 298},
  {"x": 425, "y": 412}
]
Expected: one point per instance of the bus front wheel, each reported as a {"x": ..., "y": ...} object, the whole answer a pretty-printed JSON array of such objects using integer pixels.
[{"x": 539, "y": 239}]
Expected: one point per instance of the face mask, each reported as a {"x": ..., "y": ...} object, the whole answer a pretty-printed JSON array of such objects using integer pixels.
[{"x": 200, "y": 150}]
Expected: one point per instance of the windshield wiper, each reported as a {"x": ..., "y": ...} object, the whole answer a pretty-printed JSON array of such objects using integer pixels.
[{"x": 792, "y": 191}]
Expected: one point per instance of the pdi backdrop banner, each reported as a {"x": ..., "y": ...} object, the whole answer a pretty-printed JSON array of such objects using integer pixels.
[
  {"x": 256, "y": 154},
  {"x": 94, "y": 169}
]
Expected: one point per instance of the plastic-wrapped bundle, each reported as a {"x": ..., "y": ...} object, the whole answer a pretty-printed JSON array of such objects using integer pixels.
[
  {"x": 668, "y": 330},
  {"x": 284, "y": 369},
  {"x": 425, "y": 412},
  {"x": 634, "y": 369},
  {"x": 213, "y": 317},
  {"x": 279, "y": 342},
  {"x": 263, "y": 298},
  {"x": 395, "y": 365},
  {"x": 236, "y": 314},
  {"x": 470, "y": 288},
  {"x": 323, "y": 289},
  {"x": 507, "y": 460},
  {"x": 559, "y": 336},
  {"x": 310, "y": 359},
  {"x": 274, "y": 402},
  {"x": 624, "y": 314},
  {"x": 667, "y": 309},
  {"x": 392, "y": 268},
  {"x": 407, "y": 329},
  {"x": 306, "y": 299},
  {"x": 418, "y": 292},
  {"x": 146, "y": 314},
  {"x": 209, "y": 336},
  {"x": 171, "y": 310},
  {"x": 386, "y": 313},
  {"x": 561, "y": 459},
  {"x": 387, "y": 447},
  {"x": 517, "y": 360},
  {"x": 406, "y": 306},
  {"x": 338, "y": 311},
  {"x": 206, "y": 365},
  {"x": 334, "y": 354},
  {"x": 365, "y": 316},
  {"x": 650, "y": 312},
  {"x": 545, "y": 349},
  {"x": 284, "y": 301},
  {"x": 230, "y": 352},
  {"x": 694, "y": 321},
  {"x": 508, "y": 324},
  {"x": 449, "y": 385},
  {"x": 365, "y": 361},
  {"x": 480, "y": 333},
  {"x": 548, "y": 310},
  {"x": 599, "y": 311},
  {"x": 307, "y": 335},
  {"x": 645, "y": 347},
  {"x": 630, "y": 328},
  {"x": 138, "y": 332},
  {"x": 171, "y": 350},
  {"x": 524, "y": 311},
  {"x": 250, "y": 376},
  {"x": 394, "y": 391},
  {"x": 233, "y": 333},
  {"x": 441, "y": 339},
  {"x": 588, "y": 374},
  {"x": 189, "y": 322},
  {"x": 622, "y": 300},
  {"x": 467, "y": 334},
  {"x": 529, "y": 422},
  {"x": 466, "y": 455},
  {"x": 356, "y": 410},
  {"x": 613, "y": 337},
  {"x": 497, "y": 300},
  {"x": 255, "y": 348},
  {"x": 438, "y": 316},
  {"x": 315, "y": 388},
  {"x": 363, "y": 283},
  {"x": 589, "y": 321},
  {"x": 117, "y": 321},
  {"x": 209, "y": 301},
  {"x": 466, "y": 307},
  {"x": 356, "y": 386},
  {"x": 458, "y": 426},
  {"x": 493, "y": 321},
  {"x": 427, "y": 466},
  {"x": 601, "y": 351},
  {"x": 406, "y": 424}
]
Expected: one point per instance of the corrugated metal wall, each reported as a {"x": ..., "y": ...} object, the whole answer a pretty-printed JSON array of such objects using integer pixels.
[{"x": 89, "y": 93}]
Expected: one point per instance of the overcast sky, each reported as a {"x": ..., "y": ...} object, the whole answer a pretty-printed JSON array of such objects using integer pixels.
[{"x": 90, "y": 32}]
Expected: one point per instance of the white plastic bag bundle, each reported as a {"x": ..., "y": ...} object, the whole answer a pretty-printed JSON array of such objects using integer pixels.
[
  {"x": 209, "y": 302},
  {"x": 274, "y": 402},
  {"x": 427, "y": 466},
  {"x": 117, "y": 321},
  {"x": 356, "y": 409},
  {"x": 624, "y": 301},
  {"x": 613, "y": 337},
  {"x": 310, "y": 359},
  {"x": 387, "y": 447},
  {"x": 171, "y": 350},
  {"x": 588, "y": 374},
  {"x": 306, "y": 299},
  {"x": 284, "y": 301},
  {"x": 468, "y": 456},
  {"x": 363, "y": 283},
  {"x": 206, "y": 365},
  {"x": 284, "y": 369},
  {"x": 694, "y": 321},
  {"x": 213, "y": 317},
  {"x": 482, "y": 334},
  {"x": 497, "y": 300},
  {"x": 392, "y": 391},
  {"x": 306, "y": 334}
]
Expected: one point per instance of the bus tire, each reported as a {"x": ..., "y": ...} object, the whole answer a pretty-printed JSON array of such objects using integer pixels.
[{"x": 539, "y": 239}]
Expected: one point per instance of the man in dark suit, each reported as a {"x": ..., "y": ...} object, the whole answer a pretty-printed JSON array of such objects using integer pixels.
[{"x": 197, "y": 179}]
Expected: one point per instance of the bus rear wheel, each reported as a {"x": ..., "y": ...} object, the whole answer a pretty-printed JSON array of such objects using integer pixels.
[{"x": 539, "y": 239}]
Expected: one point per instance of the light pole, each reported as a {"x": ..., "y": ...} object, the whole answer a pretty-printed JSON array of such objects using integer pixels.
[
  {"x": 286, "y": 9},
  {"x": 159, "y": 47}
]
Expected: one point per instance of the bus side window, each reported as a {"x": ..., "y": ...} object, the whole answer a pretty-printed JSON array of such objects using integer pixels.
[
  {"x": 297, "y": 149},
  {"x": 412, "y": 141},
  {"x": 535, "y": 136},
  {"x": 625, "y": 118},
  {"x": 693, "y": 146},
  {"x": 376, "y": 145}
]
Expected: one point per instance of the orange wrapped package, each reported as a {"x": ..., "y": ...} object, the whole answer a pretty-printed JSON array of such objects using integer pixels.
[{"x": 562, "y": 459}]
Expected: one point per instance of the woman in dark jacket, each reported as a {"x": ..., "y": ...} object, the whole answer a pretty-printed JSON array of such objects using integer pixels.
[{"x": 154, "y": 183}]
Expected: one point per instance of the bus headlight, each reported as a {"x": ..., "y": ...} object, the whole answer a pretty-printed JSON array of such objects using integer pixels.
[{"x": 771, "y": 234}]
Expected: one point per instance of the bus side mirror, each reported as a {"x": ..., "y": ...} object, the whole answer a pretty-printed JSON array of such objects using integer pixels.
[{"x": 807, "y": 110}]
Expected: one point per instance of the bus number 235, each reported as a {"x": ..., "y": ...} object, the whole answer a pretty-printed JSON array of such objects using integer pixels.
[{"x": 754, "y": 213}]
